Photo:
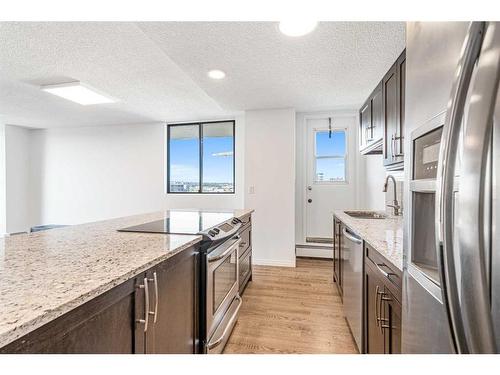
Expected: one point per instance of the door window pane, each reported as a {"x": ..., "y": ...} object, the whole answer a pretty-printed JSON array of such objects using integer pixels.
[
  {"x": 330, "y": 170},
  {"x": 184, "y": 150},
  {"x": 218, "y": 158},
  {"x": 326, "y": 146},
  {"x": 330, "y": 154}
]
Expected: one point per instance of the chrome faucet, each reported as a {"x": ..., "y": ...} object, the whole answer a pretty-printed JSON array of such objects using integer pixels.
[{"x": 395, "y": 204}]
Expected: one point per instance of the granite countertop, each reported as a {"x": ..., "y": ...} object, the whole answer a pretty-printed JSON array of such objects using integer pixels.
[
  {"x": 43, "y": 275},
  {"x": 384, "y": 235}
]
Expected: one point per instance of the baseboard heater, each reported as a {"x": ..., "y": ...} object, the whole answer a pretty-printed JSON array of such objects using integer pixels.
[{"x": 319, "y": 239}]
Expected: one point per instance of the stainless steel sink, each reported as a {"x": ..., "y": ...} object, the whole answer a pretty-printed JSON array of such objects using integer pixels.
[{"x": 365, "y": 214}]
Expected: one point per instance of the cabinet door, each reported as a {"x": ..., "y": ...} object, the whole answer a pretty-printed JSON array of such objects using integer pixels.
[
  {"x": 174, "y": 305},
  {"x": 104, "y": 325},
  {"x": 374, "y": 336},
  {"x": 365, "y": 119},
  {"x": 390, "y": 112},
  {"x": 377, "y": 130},
  {"x": 399, "y": 136},
  {"x": 392, "y": 324}
]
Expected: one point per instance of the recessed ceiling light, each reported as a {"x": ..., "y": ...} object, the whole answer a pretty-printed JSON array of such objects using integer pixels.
[
  {"x": 297, "y": 27},
  {"x": 78, "y": 93},
  {"x": 216, "y": 74}
]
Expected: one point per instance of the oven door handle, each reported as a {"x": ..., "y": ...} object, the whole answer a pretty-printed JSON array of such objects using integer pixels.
[
  {"x": 229, "y": 326},
  {"x": 230, "y": 248}
]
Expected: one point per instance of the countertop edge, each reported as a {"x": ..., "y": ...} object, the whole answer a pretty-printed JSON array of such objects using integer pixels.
[{"x": 354, "y": 225}]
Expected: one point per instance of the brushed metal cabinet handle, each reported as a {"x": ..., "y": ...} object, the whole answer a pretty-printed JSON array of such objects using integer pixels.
[
  {"x": 386, "y": 274},
  {"x": 155, "y": 312},
  {"x": 145, "y": 321},
  {"x": 380, "y": 319}
]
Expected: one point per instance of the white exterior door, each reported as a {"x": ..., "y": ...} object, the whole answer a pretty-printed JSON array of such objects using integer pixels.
[{"x": 330, "y": 175}]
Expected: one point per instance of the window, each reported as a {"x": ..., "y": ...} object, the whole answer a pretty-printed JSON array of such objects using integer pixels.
[
  {"x": 200, "y": 157},
  {"x": 330, "y": 156}
]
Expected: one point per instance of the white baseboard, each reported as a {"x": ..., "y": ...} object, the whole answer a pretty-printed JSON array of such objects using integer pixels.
[
  {"x": 272, "y": 262},
  {"x": 314, "y": 252}
]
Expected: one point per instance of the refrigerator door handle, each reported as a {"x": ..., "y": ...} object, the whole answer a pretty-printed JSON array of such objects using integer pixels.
[
  {"x": 474, "y": 200},
  {"x": 445, "y": 182}
]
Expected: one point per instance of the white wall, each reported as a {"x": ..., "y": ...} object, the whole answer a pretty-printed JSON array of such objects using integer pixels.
[
  {"x": 270, "y": 171},
  {"x": 18, "y": 181},
  {"x": 3, "y": 207},
  {"x": 94, "y": 173},
  {"x": 373, "y": 197}
]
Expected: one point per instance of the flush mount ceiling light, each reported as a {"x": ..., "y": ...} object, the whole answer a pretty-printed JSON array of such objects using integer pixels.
[
  {"x": 216, "y": 74},
  {"x": 78, "y": 93},
  {"x": 297, "y": 27}
]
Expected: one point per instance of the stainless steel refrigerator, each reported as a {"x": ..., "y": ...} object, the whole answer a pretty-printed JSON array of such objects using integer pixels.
[{"x": 451, "y": 287}]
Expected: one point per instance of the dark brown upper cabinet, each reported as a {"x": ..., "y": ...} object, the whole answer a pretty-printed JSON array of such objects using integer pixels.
[
  {"x": 393, "y": 111},
  {"x": 371, "y": 127},
  {"x": 381, "y": 117}
]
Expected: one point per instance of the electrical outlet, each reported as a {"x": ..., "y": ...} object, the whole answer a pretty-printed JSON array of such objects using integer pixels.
[{"x": 251, "y": 190}]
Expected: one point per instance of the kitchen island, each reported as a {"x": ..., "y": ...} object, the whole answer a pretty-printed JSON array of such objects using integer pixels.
[{"x": 59, "y": 287}]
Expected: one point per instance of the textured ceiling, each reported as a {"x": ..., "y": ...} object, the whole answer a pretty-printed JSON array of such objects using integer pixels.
[
  {"x": 158, "y": 70},
  {"x": 336, "y": 66},
  {"x": 116, "y": 58}
]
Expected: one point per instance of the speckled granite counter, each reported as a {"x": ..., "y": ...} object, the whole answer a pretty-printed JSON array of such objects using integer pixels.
[
  {"x": 44, "y": 275},
  {"x": 384, "y": 235}
]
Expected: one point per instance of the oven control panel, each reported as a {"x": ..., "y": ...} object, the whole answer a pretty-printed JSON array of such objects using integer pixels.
[{"x": 223, "y": 230}]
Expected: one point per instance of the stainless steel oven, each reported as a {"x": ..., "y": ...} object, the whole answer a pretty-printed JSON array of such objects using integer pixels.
[{"x": 222, "y": 299}]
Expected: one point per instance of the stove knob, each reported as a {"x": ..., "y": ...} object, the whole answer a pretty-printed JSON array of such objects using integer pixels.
[
  {"x": 235, "y": 221},
  {"x": 212, "y": 233},
  {"x": 216, "y": 230}
]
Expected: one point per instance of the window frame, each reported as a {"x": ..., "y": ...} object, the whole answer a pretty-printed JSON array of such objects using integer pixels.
[
  {"x": 345, "y": 156},
  {"x": 200, "y": 159}
]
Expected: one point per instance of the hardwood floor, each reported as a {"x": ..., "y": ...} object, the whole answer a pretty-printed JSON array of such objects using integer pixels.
[{"x": 292, "y": 310}]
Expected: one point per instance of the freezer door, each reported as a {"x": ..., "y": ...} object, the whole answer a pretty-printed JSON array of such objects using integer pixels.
[
  {"x": 495, "y": 237},
  {"x": 476, "y": 192}
]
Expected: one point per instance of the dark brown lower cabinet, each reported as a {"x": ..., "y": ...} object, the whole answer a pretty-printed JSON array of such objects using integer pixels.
[
  {"x": 172, "y": 326},
  {"x": 114, "y": 322},
  {"x": 382, "y": 305},
  {"x": 392, "y": 324}
]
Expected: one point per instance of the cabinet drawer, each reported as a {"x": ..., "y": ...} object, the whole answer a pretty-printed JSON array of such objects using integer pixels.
[
  {"x": 386, "y": 270},
  {"x": 246, "y": 240}
]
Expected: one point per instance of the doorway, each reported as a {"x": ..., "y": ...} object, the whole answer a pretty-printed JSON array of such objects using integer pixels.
[{"x": 329, "y": 179}]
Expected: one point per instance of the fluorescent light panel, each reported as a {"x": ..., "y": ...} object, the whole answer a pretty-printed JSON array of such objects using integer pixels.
[
  {"x": 297, "y": 27},
  {"x": 79, "y": 93}
]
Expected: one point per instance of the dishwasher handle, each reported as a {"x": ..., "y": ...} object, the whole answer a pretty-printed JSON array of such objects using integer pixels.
[{"x": 351, "y": 236}]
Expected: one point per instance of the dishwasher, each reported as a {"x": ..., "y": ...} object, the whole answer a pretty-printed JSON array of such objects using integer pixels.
[{"x": 352, "y": 261}]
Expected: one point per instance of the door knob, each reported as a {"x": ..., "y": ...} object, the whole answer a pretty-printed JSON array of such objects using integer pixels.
[{"x": 309, "y": 200}]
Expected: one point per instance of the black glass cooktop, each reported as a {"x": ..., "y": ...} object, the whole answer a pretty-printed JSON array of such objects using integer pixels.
[{"x": 181, "y": 222}]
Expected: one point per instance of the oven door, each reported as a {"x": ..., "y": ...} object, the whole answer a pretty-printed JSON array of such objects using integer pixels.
[{"x": 222, "y": 285}]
